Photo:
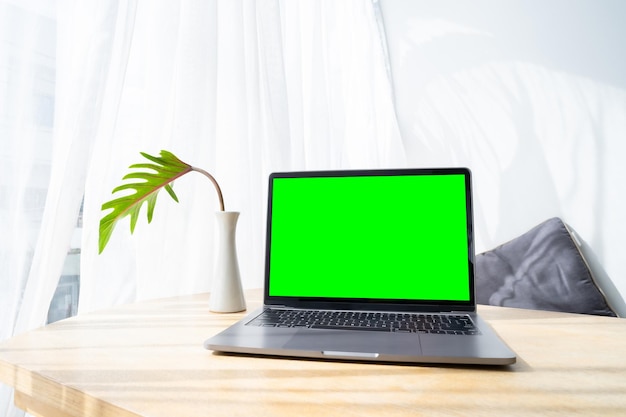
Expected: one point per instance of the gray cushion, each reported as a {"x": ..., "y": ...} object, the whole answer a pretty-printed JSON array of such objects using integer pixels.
[{"x": 543, "y": 270}]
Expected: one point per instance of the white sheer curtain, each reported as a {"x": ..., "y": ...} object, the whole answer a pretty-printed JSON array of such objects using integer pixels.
[{"x": 239, "y": 88}]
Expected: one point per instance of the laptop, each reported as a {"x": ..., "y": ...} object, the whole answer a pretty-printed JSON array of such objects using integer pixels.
[{"x": 369, "y": 265}]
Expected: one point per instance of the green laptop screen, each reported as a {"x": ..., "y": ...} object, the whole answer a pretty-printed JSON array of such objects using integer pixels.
[{"x": 401, "y": 237}]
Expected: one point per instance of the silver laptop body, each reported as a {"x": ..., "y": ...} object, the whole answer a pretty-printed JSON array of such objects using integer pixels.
[{"x": 369, "y": 265}]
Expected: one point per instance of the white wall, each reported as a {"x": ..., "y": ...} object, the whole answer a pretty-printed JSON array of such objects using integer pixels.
[{"x": 531, "y": 95}]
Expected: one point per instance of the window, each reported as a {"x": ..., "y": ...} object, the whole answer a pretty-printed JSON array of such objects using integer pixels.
[{"x": 64, "y": 303}]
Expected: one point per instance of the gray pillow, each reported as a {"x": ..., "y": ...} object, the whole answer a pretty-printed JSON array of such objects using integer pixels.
[{"x": 542, "y": 269}]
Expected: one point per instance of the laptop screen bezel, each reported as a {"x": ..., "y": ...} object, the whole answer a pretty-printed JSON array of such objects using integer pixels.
[{"x": 373, "y": 304}]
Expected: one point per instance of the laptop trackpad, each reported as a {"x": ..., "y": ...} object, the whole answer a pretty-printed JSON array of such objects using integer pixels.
[{"x": 362, "y": 343}]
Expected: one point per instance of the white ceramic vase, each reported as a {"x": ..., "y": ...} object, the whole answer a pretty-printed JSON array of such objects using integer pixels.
[{"x": 226, "y": 290}]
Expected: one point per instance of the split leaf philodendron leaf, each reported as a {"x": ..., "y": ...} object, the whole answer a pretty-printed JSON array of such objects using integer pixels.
[{"x": 157, "y": 175}]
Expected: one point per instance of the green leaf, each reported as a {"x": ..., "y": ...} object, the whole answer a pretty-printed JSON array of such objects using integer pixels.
[{"x": 149, "y": 181}]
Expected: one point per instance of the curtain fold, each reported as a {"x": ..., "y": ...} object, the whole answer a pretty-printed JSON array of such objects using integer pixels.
[{"x": 83, "y": 67}]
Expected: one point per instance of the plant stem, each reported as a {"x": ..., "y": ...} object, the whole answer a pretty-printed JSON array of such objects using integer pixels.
[{"x": 217, "y": 186}]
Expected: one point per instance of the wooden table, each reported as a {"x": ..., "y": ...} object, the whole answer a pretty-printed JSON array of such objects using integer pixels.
[{"x": 147, "y": 359}]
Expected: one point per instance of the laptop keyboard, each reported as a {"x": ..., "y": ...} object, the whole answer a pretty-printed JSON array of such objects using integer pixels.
[{"x": 456, "y": 324}]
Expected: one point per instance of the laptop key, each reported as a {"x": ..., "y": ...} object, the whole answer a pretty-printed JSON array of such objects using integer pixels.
[{"x": 371, "y": 329}]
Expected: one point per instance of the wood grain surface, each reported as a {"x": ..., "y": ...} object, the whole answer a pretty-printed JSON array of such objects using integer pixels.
[{"x": 147, "y": 359}]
